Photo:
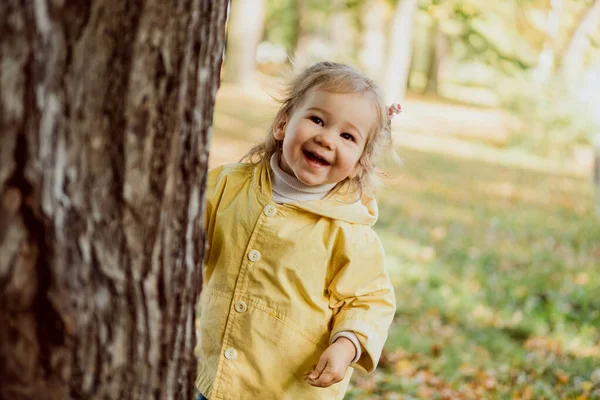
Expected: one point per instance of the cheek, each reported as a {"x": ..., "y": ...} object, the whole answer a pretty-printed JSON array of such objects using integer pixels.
[
  {"x": 290, "y": 148},
  {"x": 302, "y": 130},
  {"x": 350, "y": 159}
]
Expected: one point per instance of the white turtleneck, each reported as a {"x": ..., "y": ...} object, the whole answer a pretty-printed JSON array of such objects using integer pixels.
[{"x": 286, "y": 189}]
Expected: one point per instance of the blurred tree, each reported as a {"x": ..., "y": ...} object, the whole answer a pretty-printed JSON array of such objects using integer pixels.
[
  {"x": 574, "y": 57},
  {"x": 372, "y": 43},
  {"x": 244, "y": 33},
  {"x": 547, "y": 57},
  {"x": 105, "y": 111},
  {"x": 399, "y": 50},
  {"x": 563, "y": 38},
  {"x": 439, "y": 46},
  {"x": 596, "y": 173},
  {"x": 439, "y": 55},
  {"x": 487, "y": 32},
  {"x": 281, "y": 23},
  {"x": 315, "y": 32},
  {"x": 342, "y": 30},
  {"x": 467, "y": 31},
  {"x": 303, "y": 31}
]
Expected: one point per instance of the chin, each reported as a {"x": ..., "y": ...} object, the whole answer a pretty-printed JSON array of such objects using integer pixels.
[{"x": 311, "y": 182}]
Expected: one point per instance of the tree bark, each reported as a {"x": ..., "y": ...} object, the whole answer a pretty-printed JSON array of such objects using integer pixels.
[
  {"x": 105, "y": 113},
  {"x": 400, "y": 50},
  {"x": 243, "y": 36}
]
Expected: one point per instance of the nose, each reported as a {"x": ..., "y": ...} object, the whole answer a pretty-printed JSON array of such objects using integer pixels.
[{"x": 325, "y": 140}]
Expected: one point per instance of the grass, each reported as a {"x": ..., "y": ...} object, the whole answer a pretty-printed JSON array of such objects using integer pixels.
[{"x": 496, "y": 270}]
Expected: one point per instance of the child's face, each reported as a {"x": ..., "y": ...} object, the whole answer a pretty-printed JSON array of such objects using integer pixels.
[{"x": 325, "y": 137}]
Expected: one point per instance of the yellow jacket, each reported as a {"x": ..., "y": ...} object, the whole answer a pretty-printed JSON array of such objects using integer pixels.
[{"x": 279, "y": 282}]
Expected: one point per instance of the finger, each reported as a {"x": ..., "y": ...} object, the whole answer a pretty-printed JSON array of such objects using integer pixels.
[
  {"x": 323, "y": 381},
  {"x": 320, "y": 382},
  {"x": 306, "y": 373},
  {"x": 319, "y": 368},
  {"x": 327, "y": 378}
]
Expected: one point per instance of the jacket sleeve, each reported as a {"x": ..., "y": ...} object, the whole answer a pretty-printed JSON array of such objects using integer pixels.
[{"x": 360, "y": 292}]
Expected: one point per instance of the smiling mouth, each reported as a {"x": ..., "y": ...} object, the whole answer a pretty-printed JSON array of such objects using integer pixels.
[{"x": 314, "y": 158}]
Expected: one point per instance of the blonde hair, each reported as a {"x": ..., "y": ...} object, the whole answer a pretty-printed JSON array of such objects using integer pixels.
[{"x": 335, "y": 78}]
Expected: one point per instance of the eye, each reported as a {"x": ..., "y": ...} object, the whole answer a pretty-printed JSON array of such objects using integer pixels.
[
  {"x": 347, "y": 136},
  {"x": 317, "y": 120}
]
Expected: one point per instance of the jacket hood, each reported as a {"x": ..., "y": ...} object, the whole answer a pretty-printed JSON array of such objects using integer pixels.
[{"x": 340, "y": 206}]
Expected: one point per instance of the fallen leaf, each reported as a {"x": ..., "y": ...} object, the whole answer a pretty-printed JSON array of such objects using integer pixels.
[
  {"x": 436, "y": 350},
  {"x": 562, "y": 376},
  {"x": 404, "y": 368}
]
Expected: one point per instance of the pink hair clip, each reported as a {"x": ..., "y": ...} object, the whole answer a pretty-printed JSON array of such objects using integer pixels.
[{"x": 393, "y": 110}]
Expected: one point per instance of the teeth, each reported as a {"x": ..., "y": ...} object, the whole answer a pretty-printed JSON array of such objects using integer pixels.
[
  {"x": 319, "y": 159},
  {"x": 316, "y": 157}
]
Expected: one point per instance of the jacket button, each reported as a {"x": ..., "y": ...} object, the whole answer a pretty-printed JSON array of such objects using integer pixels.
[
  {"x": 230, "y": 353},
  {"x": 270, "y": 210},
  {"x": 240, "y": 307},
  {"x": 254, "y": 255}
]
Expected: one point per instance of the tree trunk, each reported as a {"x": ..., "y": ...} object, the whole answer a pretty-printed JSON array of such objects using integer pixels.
[
  {"x": 341, "y": 32},
  {"x": 596, "y": 174},
  {"x": 573, "y": 60},
  {"x": 302, "y": 56},
  {"x": 244, "y": 33},
  {"x": 400, "y": 50},
  {"x": 105, "y": 112},
  {"x": 372, "y": 47},
  {"x": 439, "y": 52}
]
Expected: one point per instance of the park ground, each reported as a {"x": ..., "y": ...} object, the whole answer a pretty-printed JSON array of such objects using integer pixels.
[{"x": 494, "y": 254}]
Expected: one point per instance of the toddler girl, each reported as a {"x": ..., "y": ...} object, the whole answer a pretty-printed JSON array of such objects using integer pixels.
[{"x": 295, "y": 289}]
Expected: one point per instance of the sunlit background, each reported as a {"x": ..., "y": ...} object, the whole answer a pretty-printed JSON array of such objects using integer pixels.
[{"x": 489, "y": 226}]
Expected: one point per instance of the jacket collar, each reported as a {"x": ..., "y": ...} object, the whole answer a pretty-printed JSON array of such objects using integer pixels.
[{"x": 339, "y": 205}]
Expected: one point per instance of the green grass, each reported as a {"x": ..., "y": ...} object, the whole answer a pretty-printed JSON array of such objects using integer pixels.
[
  {"x": 499, "y": 269},
  {"x": 497, "y": 277}
]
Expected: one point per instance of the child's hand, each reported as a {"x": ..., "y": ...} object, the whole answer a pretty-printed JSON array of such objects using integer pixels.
[{"x": 333, "y": 364}]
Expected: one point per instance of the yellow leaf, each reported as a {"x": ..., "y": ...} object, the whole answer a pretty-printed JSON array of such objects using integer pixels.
[
  {"x": 404, "y": 368},
  {"x": 587, "y": 386},
  {"x": 527, "y": 393},
  {"x": 561, "y": 376},
  {"x": 433, "y": 312},
  {"x": 467, "y": 369}
]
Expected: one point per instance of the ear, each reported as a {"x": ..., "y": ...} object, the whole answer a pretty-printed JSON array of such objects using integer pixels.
[{"x": 279, "y": 129}]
